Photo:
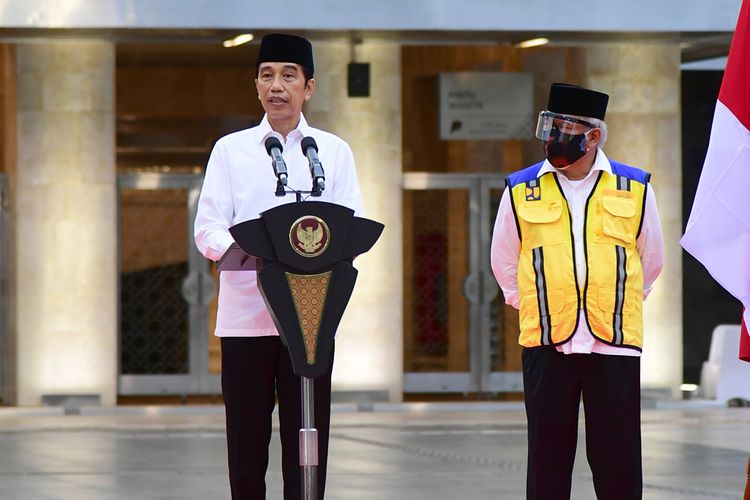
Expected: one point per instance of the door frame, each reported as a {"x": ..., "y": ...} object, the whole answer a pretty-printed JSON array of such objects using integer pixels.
[
  {"x": 198, "y": 290},
  {"x": 7, "y": 353},
  {"x": 480, "y": 288}
]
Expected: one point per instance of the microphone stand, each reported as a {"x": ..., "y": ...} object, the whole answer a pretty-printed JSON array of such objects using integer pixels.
[
  {"x": 308, "y": 442},
  {"x": 308, "y": 434},
  {"x": 280, "y": 188}
]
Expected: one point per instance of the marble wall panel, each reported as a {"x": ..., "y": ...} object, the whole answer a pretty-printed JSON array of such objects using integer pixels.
[
  {"x": 370, "y": 340},
  {"x": 65, "y": 205}
]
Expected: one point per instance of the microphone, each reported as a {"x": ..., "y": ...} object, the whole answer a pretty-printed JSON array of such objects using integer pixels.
[
  {"x": 274, "y": 150},
  {"x": 310, "y": 149}
]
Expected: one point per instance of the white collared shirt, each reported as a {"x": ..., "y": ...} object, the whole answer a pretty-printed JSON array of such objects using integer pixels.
[
  {"x": 506, "y": 249},
  {"x": 240, "y": 184}
]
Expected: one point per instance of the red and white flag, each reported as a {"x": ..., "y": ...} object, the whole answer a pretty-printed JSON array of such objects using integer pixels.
[
  {"x": 744, "y": 343},
  {"x": 718, "y": 230}
]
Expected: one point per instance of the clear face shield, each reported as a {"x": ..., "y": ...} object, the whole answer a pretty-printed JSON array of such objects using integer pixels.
[
  {"x": 560, "y": 128},
  {"x": 564, "y": 138}
]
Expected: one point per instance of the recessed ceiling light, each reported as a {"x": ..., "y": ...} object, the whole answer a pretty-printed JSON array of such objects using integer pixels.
[
  {"x": 238, "y": 40},
  {"x": 534, "y": 42}
]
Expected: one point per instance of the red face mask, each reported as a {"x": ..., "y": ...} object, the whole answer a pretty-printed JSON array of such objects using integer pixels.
[{"x": 562, "y": 154}]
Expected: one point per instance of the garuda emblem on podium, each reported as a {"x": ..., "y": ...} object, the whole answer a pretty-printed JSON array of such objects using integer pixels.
[{"x": 309, "y": 236}]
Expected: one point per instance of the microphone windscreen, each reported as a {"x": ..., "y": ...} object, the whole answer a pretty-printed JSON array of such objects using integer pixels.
[
  {"x": 273, "y": 142},
  {"x": 307, "y": 143}
]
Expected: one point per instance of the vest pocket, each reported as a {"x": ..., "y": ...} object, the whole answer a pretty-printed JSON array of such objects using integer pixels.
[
  {"x": 606, "y": 299},
  {"x": 610, "y": 300},
  {"x": 617, "y": 319},
  {"x": 618, "y": 217},
  {"x": 541, "y": 223},
  {"x": 551, "y": 304}
]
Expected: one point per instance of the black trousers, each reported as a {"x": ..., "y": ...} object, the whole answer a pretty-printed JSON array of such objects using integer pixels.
[
  {"x": 610, "y": 386},
  {"x": 254, "y": 372}
]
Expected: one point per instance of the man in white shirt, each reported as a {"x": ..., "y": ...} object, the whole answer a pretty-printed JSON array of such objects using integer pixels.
[
  {"x": 240, "y": 184},
  {"x": 576, "y": 247}
]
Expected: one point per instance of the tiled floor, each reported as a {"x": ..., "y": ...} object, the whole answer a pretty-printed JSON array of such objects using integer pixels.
[{"x": 396, "y": 452}]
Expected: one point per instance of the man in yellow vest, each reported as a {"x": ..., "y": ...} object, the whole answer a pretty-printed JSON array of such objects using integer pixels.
[{"x": 577, "y": 246}]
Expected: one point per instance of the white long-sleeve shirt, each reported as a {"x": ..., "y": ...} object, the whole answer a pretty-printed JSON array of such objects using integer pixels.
[
  {"x": 506, "y": 248},
  {"x": 240, "y": 184}
]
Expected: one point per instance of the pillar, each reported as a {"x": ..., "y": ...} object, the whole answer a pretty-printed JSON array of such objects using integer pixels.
[
  {"x": 369, "y": 343},
  {"x": 643, "y": 117},
  {"x": 65, "y": 221}
]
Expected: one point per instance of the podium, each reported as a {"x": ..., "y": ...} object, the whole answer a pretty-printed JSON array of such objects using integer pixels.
[{"x": 303, "y": 253}]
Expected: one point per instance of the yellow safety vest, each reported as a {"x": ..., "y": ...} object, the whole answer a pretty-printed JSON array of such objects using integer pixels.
[{"x": 550, "y": 295}]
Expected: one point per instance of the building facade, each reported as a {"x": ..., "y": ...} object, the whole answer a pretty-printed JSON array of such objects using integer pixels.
[{"x": 109, "y": 111}]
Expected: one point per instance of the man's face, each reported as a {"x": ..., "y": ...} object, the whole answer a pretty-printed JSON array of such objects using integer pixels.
[{"x": 282, "y": 90}]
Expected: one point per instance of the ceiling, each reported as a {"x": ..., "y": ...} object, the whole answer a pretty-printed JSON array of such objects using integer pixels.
[
  {"x": 204, "y": 45},
  {"x": 193, "y": 47}
]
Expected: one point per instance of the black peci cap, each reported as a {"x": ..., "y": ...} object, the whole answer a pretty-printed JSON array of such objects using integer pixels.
[
  {"x": 574, "y": 100},
  {"x": 279, "y": 47}
]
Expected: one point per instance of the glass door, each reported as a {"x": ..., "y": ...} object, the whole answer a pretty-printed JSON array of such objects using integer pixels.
[
  {"x": 166, "y": 289},
  {"x": 456, "y": 325}
]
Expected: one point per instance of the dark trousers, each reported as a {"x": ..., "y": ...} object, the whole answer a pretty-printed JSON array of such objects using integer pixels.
[
  {"x": 610, "y": 386},
  {"x": 254, "y": 372}
]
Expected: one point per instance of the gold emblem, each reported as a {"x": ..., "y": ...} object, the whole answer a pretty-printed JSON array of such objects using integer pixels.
[{"x": 309, "y": 236}]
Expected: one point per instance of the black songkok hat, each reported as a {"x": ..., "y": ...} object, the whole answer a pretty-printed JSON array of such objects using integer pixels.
[
  {"x": 569, "y": 99},
  {"x": 279, "y": 47}
]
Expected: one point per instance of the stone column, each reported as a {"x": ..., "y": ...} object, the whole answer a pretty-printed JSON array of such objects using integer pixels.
[
  {"x": 643, "y": 118},
  {"x": 66, "y": 226},
  {"x": 369, "y": 344}
]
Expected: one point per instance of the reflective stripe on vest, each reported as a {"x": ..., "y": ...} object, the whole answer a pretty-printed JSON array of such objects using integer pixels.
[
  {"x": 623, "y": 184},
  {"x": 541, "y": 295}
]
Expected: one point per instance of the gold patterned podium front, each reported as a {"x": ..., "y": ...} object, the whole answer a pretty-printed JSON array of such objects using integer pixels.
[{"x": 309, "y": 293}]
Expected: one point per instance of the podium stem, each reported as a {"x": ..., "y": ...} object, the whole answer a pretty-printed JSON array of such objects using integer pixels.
[{"x": 308, "y": 442}]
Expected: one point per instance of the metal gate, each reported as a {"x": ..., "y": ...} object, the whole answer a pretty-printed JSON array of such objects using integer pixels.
[
  {"x": 459, "y": 336},
  {"x": 6, "y": 355},
  {"x": 165, "y": 288}
]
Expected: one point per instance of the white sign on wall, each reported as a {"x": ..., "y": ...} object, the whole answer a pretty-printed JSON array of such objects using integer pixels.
[{"x": 486, "y": 105}]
